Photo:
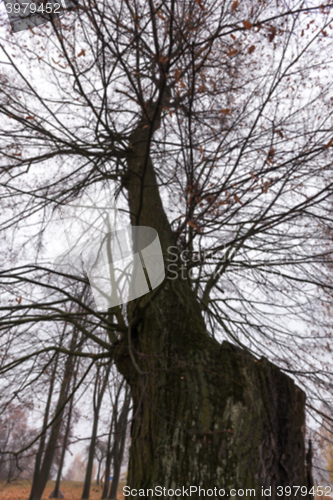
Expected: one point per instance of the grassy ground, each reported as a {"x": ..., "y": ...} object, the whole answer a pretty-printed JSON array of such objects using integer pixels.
[{"x": 20, "y": 489}]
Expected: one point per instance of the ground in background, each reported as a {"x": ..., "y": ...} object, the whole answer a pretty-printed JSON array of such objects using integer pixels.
[{"x": 72, "y": 490}]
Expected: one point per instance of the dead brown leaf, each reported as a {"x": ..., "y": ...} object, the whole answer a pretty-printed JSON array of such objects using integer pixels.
[{"x": 247, "y": 25}]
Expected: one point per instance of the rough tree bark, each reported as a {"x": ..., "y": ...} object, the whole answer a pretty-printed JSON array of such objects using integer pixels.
[{"x": 206, "y": 414}]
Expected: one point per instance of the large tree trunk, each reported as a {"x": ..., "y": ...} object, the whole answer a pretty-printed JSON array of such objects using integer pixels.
[
  {"x": 206, "y": 414},
  {"x": 218, "y": 418}
]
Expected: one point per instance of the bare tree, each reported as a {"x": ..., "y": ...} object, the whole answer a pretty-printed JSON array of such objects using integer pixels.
[
  {"x": 212, "y": 122},
  {"x": 65, "y": 439},
  {"x": 14, "y": 435},
  {"x": 44, "y": 469},
  {"x": 100, "y": 455}
]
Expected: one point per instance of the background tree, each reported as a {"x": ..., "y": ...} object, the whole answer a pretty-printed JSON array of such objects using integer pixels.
[
  {"x": 118, "y": 447},
  {"x": 38, "y": 487},
  {"x": 15, "y": 434},
  {"x": 213, "y": 121},
  {"x": 76, "y": 471},
  {"x": 115, "y": 396},
  {"x": 101, "y": 381},
  {"x": 100, "y": 455},
  {"x": 116, "y": 440},
  {"x": 65, "y": 437}
]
